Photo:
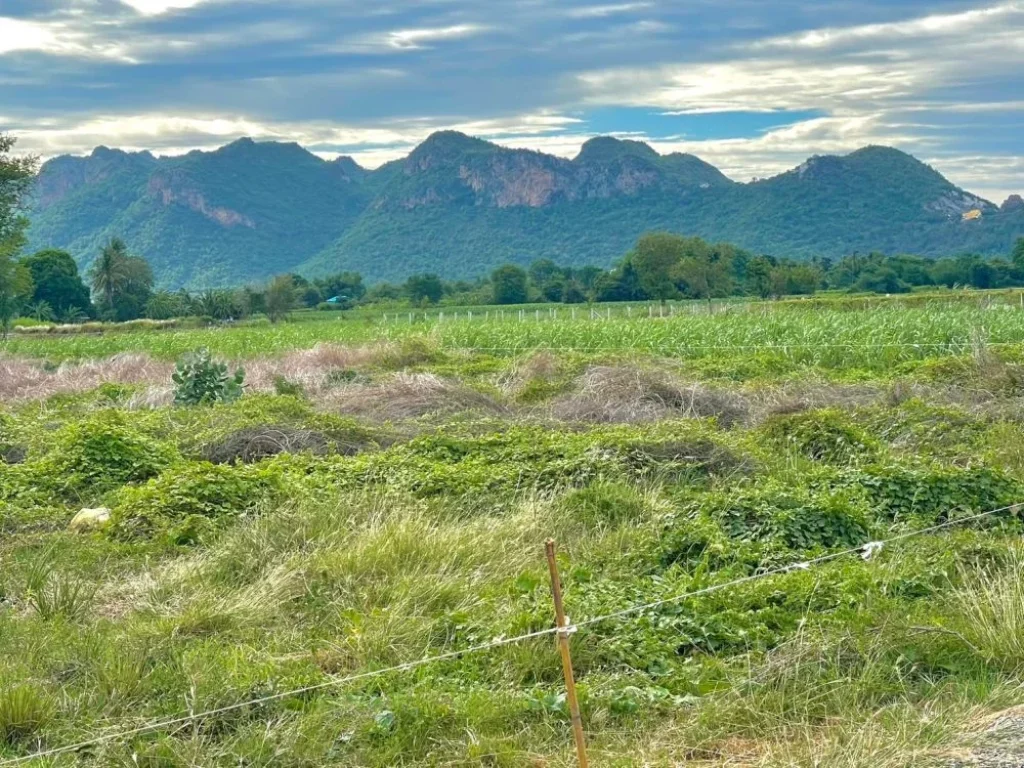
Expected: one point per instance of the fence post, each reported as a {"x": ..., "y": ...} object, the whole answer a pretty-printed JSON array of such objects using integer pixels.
[{"x": 563, "y": 647}]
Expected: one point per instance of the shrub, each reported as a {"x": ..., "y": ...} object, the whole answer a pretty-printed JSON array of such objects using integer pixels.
[
  {"x": 823, "y": 436},
  {"x": 201, "y": 380},
  {"x": 173, "y": 502},
  {"x": 935, "y": 494},
  {"x": 604, "y": 503},
  {"x": 793, "y": 518},
  {"x": 102, "y": 452}
]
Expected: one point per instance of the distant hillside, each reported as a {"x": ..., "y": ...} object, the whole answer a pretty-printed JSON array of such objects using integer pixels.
[{"x": 459, "y": 206}]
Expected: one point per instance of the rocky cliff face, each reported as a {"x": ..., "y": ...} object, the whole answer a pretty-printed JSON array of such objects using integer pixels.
[
  {"x": 172, "y": 188},
  {"x": 1012, "y": 203},
  {"x": 449, "y": 167},
  {"x": 64, "y": 175}
]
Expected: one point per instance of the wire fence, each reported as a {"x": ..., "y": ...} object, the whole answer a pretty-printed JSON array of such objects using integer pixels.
[{"x": 867, "y": 551}]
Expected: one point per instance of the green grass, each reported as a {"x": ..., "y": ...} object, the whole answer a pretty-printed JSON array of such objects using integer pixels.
[{"x": 372, "y": 536}]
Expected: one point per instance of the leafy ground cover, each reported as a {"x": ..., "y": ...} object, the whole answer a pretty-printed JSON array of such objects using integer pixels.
[{"x": 370, "y": 503}]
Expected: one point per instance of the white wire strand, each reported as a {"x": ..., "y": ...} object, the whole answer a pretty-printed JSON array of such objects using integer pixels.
[{"x": 498, "y": 642}]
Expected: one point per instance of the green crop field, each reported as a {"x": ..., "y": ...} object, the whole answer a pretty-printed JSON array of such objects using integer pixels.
[{"x": 380, "y": 494}]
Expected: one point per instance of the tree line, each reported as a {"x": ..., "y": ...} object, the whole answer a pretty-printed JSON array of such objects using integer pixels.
[
  {"x": 664, "y": 266},
  {"x": 119, "y": 286}
]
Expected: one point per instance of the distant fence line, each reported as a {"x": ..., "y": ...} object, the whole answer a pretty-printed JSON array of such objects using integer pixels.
[{"x": 663, "y": 310}]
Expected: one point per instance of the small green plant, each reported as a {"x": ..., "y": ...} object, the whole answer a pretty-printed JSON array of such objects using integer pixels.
[
  {"x": 287, "y": 388},
  {"x": 24, "y": 712},
  {"x": 201, "y": 380},
  {"x": 52, "y": 593}
]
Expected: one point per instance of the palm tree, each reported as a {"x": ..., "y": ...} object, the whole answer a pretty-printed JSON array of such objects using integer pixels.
[
  {"x": 41, "y": 311},
  {"x": 110, "y": 273},
  {"x": 73, "y": 316}
]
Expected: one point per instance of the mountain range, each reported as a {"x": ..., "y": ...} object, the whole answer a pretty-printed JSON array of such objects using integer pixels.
[{"x": 459, "y": 206}]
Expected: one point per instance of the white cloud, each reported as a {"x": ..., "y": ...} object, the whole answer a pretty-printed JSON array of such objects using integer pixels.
[
  {"x": 601, "y": 11},
  {"x": 156, "y": 7},
  {"x": 954, "y": 25},
  {"x": 56, "y": 38},
  {"x": 418, "y": 38}
]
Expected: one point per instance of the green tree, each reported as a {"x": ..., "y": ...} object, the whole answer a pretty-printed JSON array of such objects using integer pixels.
[
  {"x": 1017, "y": 257},
  {"x": 57, "y": 281},
  {"x": 420, "y": 288},
  {"x": 16, "y": 174},
  {"x": 41, "y": 311},
  {"x": 279, "y": 298},
  {"x": 108, "y": 275},
  {"x": 704, "y": 274},
  {"x": 542, "y": 271},
  {"x": 759, "y": 276},
  {"x": 164, "y": 305},
  {"x": 655, "y": 256},
  {"x": 130, "y": 302},
  {"x": 509, "y": 284},
  {"x": 15, "y": 290}
]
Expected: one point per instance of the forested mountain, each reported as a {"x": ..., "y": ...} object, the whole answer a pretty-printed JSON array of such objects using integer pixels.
[{"x": 459, "y": 206}]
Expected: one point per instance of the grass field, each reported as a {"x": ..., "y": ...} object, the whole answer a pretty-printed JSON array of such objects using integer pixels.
[{"x": 382, "y": 493}]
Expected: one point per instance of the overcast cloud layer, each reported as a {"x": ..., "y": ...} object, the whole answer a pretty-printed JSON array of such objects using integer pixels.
[{"x": 751, "y": 86}]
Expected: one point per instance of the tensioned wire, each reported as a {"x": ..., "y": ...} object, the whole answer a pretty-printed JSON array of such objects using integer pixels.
[{"x": 867, "y": 550}]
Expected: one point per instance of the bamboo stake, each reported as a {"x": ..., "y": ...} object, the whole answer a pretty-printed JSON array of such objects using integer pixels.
[{"x": 563, "y": 647}]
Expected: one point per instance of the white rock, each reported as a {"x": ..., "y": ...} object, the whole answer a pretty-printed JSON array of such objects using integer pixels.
[{"x": 90, "y": 519}]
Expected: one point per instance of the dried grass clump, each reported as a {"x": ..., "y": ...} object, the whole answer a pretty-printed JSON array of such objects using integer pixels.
[
  {"x": 252, "y": 444},
  {"x": 540, "y": 366},
  {"x": 409, "y": 396},
  {"x": 625, "y": 394},
  {"x": 32, "y": 380},
  {"x": 791, "y": 399},
  {"x": 311, "y": 369}
]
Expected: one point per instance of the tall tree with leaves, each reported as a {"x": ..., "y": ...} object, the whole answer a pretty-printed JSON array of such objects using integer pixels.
[
  {"x": 109, "y": 274},
  {"x": 279, "y": 298},
  {"x": 57, "y": 281},
  {"x": 1018, "y": 253},
  {"x": 16, "y": 175}
]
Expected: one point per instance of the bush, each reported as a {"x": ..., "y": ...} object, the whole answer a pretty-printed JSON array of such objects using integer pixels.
[
  {"x": 101, "y": 453},
  {"x": 175, "y": 502},
  {"x": 201, "y": 380},
  {"x": 823, "y": 436},
  {"x": 791, "y": 518},
  {"x": 605, "y": 503},
  {"x": 935, "y": 494}
]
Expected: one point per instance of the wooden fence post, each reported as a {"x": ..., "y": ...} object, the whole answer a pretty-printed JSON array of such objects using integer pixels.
[{"x": 563, "y": 647}]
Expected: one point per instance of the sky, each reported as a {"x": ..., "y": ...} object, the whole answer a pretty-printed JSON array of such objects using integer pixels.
[{"x": 752, "y": 86}]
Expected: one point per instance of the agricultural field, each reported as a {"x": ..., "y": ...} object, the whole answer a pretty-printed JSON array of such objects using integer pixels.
[{"x": 279, "y": 559}]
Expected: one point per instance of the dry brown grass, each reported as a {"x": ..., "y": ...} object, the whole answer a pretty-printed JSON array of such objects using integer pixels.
[
  {"x": 408, "y": 396},
  {"x": 628, "y": 394},
  {"x": 254, "y": 444},
  {"x": 32, "y": 380},
  {"x": 543, "y": 366},
  {"x": 311, "y": 369}
]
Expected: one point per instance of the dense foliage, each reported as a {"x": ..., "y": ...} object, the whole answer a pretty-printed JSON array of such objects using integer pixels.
[{"x": 459, "y": 208}]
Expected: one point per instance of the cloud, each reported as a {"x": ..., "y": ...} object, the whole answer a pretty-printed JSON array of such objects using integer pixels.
[
  {"x": 56, "y": 38},
  {"x": 415, "y": 38},
  {"x": 601, "y": 11},
  {"x": 156, "y": 7},
  {"x": 955, "y": 25},
  {"x": 343, "y": 76}
]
